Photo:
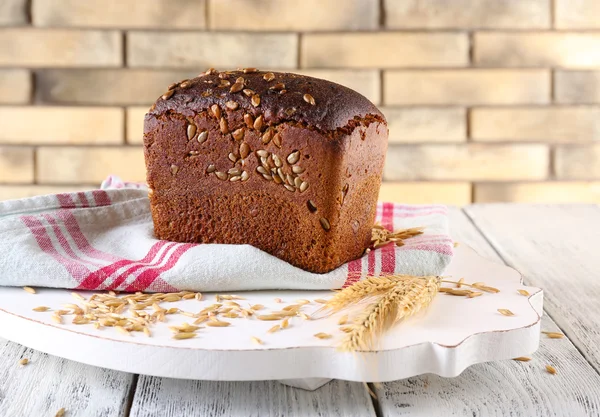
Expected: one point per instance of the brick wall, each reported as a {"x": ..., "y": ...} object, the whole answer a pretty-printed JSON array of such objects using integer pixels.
[{"x": 487, "y": 100}]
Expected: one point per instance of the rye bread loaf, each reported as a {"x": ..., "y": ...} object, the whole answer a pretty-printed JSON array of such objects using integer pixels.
[{"x": 287, "y": 163}]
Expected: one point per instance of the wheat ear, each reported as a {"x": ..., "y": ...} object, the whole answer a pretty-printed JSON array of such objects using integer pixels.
[{"x": 405, "y": 298}]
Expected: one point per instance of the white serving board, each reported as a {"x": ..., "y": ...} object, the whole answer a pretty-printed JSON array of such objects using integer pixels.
[{"x": 454, "y": 333}]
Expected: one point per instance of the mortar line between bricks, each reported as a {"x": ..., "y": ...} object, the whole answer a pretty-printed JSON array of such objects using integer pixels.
[
  {"x": 382, "y": 15},
  {"x": 399, "y": 69},
  {"x": 207, "y": 15},
  {"x": 552, "y": 85},
  {"x": 124, "y": 48},
  {"x": 339, "y": 32},
  {"x": 29, "y": 11},
  {"x": 551, "y": 165},
  {"x": 471, "y": 52}
]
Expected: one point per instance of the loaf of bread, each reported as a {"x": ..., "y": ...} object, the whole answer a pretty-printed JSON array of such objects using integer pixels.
[{"x": 287, "y": 163}]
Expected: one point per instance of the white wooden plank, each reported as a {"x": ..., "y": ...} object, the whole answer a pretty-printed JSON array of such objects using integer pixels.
[
  {"x": 500, "y": 388},
  {"x": 49, "y": 383},
  {"x": 182, "y": 398},
  {"x": 556, "y": 248}
]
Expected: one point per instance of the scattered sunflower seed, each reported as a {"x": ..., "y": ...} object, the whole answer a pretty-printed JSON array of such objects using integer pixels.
[
  {"x": 237, "y": 87},
  {"x": 232, "y": 105},
  {"x": 270, "y": 317},
  {"x": 309, "y": 99},
  {"x": 249, "y": 120},
  {"x": 554, "y": 335},
  {"x": 258, "y": 123},
  {"x": 505, "y": 312},
  {"x": 217, "y": 323},
  {"x": 168, "y": 94},
  {"x": 238, "y": 134},
  {"x": 183, "y": 336},
  {"x": 202, "y": 136},
  {"x": 216, "y": 111},
  {"x": 223, "y": 126}
]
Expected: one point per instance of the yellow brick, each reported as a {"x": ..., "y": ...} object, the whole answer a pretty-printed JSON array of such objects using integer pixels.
[
  {"x": 12, "y": 192},
  {"x": 539, "y": 192},
  {"x": 577, "y": 14},
  {"x": 473, "y": 86},
  {"x": 13, "y": 12},
  {"x": 575, "y": 50},
  {"x": 16, "y": 165},
  {"x": 467, "y": 162},
  {"x": 384, "y": 50},
  {"x": 536, "y": 124},
  {"x": 72, "y": 165},
  {"x": 120, "y": 87},
  {"x": 426, "y": 124},
  {"x": 204, "y": 49},
  {"x": 577, "y": 162},
  {"x": 451, "y": 193},
  {"x": 60, "y": 48},
  {"x": 61, "y": 125},
  {"x": 184, "y": 14},
  {"x": 15, "y": 86},
  {"x": 135, "y": 124},
  {"x": 293, "y": 15},
  {"x": 577, "y": 86},
  {"x": 462, "y": 14},
  {"x": 366, "y": 82}
]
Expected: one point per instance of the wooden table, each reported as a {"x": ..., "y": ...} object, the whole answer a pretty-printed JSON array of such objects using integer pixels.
[{"x": 556, "y": 248}]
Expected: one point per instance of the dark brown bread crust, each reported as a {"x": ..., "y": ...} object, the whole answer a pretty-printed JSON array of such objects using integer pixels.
[
  {"x": 320, "y": 220},
  {"x": 335, "y": 105}
]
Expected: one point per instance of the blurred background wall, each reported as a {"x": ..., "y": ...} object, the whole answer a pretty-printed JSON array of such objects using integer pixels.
[{"x": 487, "y": 100}]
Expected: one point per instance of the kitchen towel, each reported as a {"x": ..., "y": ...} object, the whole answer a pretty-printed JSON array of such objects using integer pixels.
[{"x": 103, "y": 240}]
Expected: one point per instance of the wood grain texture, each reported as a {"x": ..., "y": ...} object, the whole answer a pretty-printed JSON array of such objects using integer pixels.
[
  {"x": 505, "y": 387},
  {"x": 49, "y": 383},
  {"x": 556, "y": 248},
  {"x": 166, "y": 397}
]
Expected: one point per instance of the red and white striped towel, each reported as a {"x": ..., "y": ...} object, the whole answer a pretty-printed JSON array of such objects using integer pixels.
[{"x": 103, "y": 239}]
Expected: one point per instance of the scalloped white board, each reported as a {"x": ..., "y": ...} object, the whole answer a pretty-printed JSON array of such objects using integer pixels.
[{"x": 454, "y": 333}]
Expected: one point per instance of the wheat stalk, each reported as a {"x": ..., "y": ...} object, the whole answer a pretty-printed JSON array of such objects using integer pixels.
[
  {"x": 395, "y": 297},
  {"x": 380, "y": 236}
]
